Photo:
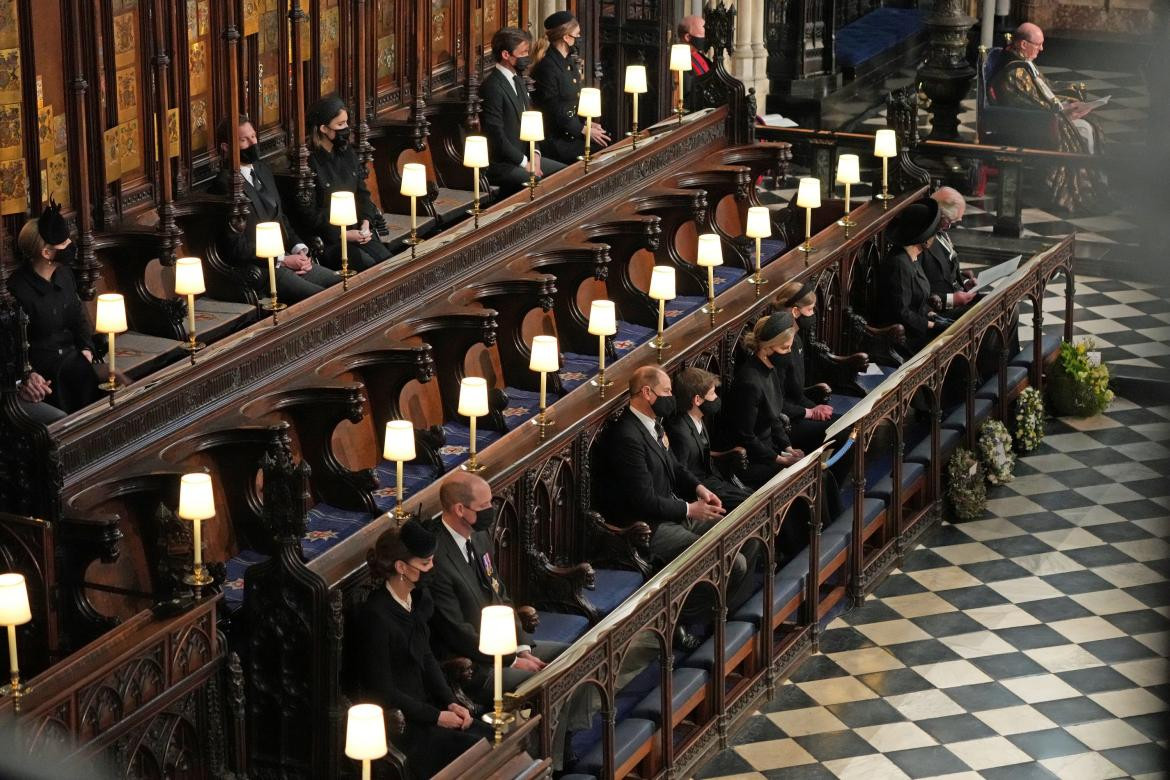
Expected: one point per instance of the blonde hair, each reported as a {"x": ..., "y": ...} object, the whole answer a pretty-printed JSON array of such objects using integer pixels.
[
  {"x": 754, "y": 342},
  {"x": 30, "y": 242},
  {"x": 790, "y": 289},
  {"x": 541, "y": 46}
]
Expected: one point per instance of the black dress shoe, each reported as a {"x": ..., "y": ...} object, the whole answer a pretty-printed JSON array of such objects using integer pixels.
[{"x": 685, "y": 640}]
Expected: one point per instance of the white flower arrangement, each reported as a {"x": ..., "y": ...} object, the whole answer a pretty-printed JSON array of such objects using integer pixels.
[
  {"x": 966, "y": 485},
  {"x": 1029, "y": 420},
  {"x": 995, "y": 451}
]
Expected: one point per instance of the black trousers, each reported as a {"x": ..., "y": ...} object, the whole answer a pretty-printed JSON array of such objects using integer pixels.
[
  {"x": 512, "y": 178},
  {"x": 429, "y": 748},
  {"x": 292, "y": 287}
]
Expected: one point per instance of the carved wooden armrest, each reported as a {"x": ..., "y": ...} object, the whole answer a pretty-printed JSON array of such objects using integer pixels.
[
  {"x": 621, "y": 548},
  {"x": 459, "y": 672}
]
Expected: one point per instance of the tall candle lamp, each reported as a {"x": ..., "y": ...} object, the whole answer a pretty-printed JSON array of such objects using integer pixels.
[
  {"x": 531, "y": 130},
  {"x": 497, "y": 638},
  {"x": 196, "y": 503},
  {"x": 759, "y": 225},
  {"x": 808, "y": 197},
  {"x": 111, "y": 320},
  {"x": 473, "y": 402},
  {"x": 189, "y": 282},
  {"x": 710, "y": 255},
  {"x": 399, "y": 448},
  {"x": 365, "y": 735},
  {"x": 545, "y": 357},
  {"x": 885, "y": 146},
  {"x": 635, "y": 85},
  {"x": 414, "y": 185},
  {"x": 661, "y": 290},
  {"x": 602, "y": 323},
  {"x": 270, "y": 245},
  {"x": 14, "y": 611},
  {"x": 680, "y": 62},
  {"x": 848, "y": 173},
  {"x": 475, "y": 156},
  {"x": 589, "y": 106},
  {"x": 343, "y": 213}
]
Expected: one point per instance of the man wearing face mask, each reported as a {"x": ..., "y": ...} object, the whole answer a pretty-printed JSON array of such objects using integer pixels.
[
  {"x": 692, "y": 30},
  {"x": 60, "y": 337},
  {"x": 505, "y": 97},
  {"x": 336, "y": 168},
  {"x": 464, "y": 581},
  {"x": 556, "y": 60},
  {"x": 689, "y": 434},
  {"x": 297, "y": 276}
]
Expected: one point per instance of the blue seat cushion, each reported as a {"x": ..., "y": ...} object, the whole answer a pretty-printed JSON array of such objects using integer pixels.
[
  {"x": 576, "y": 369},
  {"x": 327, "y": 525},
  {"x": 948, "y": 442},
  {"x": 681, "y": 306},
  {"x": 884, "y": 488},
  {"x": 957, "y": 419},
  {"x": 770, "y": 249},
  {"x": 831, "y": 545},
  {"x": 559, "y": 627},
  {"x": 233, "y": 583},
  {"x": 784, "y": 589},
  {"x": 735, "y": 634},
  {"x": 628, "y": 736},
  {"x": 686, "y": 682},
  {"x": 522, "y": 406},
  {"x": 870, "y": 381},
  {"x": 726, "y": 275},
  {"x": 1049, "y": 344},
  {"x": 842, "y": 403},
  {"x": 613, "y": 587},
  {"x": 629, "y": 336},
  {"x": 990, "y": 389},
  {"x": 842, "y": 524},
  {"x": 875, "y": 33}
]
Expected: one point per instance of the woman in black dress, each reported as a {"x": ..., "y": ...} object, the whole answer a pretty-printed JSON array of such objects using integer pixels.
[
  {"x": 809, "y": 418},
  {"x": 336, "y": 168},
  {"x": 399, "y": 671},
  {"x": 905, "y": 290},
  {"x": 754, "y": 413},
  {"x": 555, "y": 60},
  {"x": 60, "y": 336}
]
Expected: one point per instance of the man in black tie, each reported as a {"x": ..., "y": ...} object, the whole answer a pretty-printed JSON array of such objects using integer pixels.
[
  {"x": 689, "y": 435},
  {"x": 297, "y": 275},
  {"x": 505, "y": 97},
  {"x": 464, "y": 581},
  {"x": 941, "y": 261}
]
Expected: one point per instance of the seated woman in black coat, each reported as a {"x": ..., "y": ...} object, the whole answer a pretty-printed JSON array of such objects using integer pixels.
[
  {"x": 558, "y": 91},
  {"x": 753, "y": 417},
  {"x": 398, "y": 669},
  {"x": 809, "y": 418},
  {"x": 336, "y": 168},
  {"x": 904, "y": 288},
  {"x": 60, "y": 336}
]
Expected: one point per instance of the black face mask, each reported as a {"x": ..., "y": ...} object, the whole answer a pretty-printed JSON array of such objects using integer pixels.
[
  {"x": 340, "y": 139},
  {"x": 251, "y": 155},
  {"x": 663, "y": 406},
  {"x": 807, "y": 324},
  {"x": 66, "y": 256},
  {"x": 485, "y": 517},
  {"x": 699, "y": 43},
  {"x": 578, "y": 43},
  {"x": 522, "y": 64},
  {"x": 710, "y": 408}
]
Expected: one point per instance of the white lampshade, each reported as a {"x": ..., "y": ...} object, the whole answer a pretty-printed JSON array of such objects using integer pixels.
[
  {"x": 662, "y": 283},
  {"x": 473, "y": 401},
  {"x": 414, "y": 180},
  {"x": 710, "y": 251},
  {"x": 365, "y": 733},
  {"x": 342, "y": 209},
  {"x": 636, "y": 79},
  {"x": 497, "y": 630},
  {"x": 14, "y": 609},
  {"x": 189, "y": 276},
  {"x": 269, "y": 241},
  {"x": 885, "y": 144},
  {"x": 196, "y": 499},
  {"x": 111, "y": 313},
  {"x": 848, "y": 169},
  {"x": 809, "y": 194},
  {"x": 475, "y": 153},
  {"x": 531, "y": 126},
  {"x": 590, "y": 103},
  {"x": 759, "y": 222},
  {"x": 399, "y": 441},
  {"x": 680, "y": 56},
  {"x": 545, "y": 354},
  {"x": 602, "y": 318}
]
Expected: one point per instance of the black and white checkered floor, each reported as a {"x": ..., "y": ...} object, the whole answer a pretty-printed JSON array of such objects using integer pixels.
[{"x": 1030, "y": 643}]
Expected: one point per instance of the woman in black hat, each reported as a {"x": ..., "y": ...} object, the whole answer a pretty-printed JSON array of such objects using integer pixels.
[
  {"x": 904, "y": 288},
  {"x": 399, "y": 670},
  {"x": 754, "y": 413},
  {"x": 60, "y": 336},
  {"x": 336, "y": 168},
  {"x": 555, "y": 59}
]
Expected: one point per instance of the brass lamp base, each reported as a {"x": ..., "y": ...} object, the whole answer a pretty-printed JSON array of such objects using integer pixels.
[
  {"x": 412, "y": 242},
  {"x": 346, "y": 273},
  {"x": 400, "y": 513},
  {"x": 192, "y": 347},
  {"x": 542, "y": 423},
  {"x": 472, "y": 465},
  {"x": 758, "y": 281},
  {"x": 532, "y": 186},
  {"x": 273, "y": 306},
  {"x": 18, "y": 690},
  {"x": 475, "y": 212},
  {"x": 659, "y": 344},
  {"x": 633, "y": 136},
  {"x": 198, "y": 579},
  {"x": 501, "y": 721},
  {"x": 111, "y": 385},
  {"x": 680, "y": 112},
  {"x": 585, "y": 158},
  {"x": 711, "y": 309},
  {"x": 600, "y": 382},
  {"x": 885, "y": 197},
  {"x": 807, "y": 248}
]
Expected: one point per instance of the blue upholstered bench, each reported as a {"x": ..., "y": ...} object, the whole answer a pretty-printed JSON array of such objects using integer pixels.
[
  {"x": 883, "y": 489},
  {"x": 1049, "y": 345},
  {"x": 688, "y": 689},
  {"x": 1016, "y": 375},
  {"x": 876, "y": 33},
  {"x": 948, "y": 441},
  {"x": 613, "y": 587},
  {"x": 632, "y": 742},
  {"x": 559, "y": 627},
  {"x": 786, "y": 587},
  {"x": 736, "y": 638}
]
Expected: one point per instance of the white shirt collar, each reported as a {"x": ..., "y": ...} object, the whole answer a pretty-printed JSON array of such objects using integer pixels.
[
  {"x": 461, "y": 541},
  {"x": 508, "y": 76},
  {"x": 698, "y": 424},
  {"x": 246, "y": 170},
  {"x": 647, "y": 421},
  {"x": 404, "y": 604}
]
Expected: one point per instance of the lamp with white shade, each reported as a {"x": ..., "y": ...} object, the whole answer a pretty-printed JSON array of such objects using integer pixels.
[
  {"x": 111, "y": 320},
  {"x": 709, "y": 255},
  {"x": 589, "y": 106},
  {"x": 545, "y": 358},
  {"x": 759, "y": 225},
  {"x": 343, "y": 213},
  {"x": 602, "y": 323},
  {"x": 473, "y": 402},
  {"x": 635, "y": 85},
  {"x": 270, "y": 245},
  {"x": 680, "y": 62},
  {"x": 189, "y": 282},
  {"x": 848, "y": 173},
  {"x": 497, "y": 638},
  {"x": 661, "y": 290},
  {"x": 414, "y": 186},
  {"x": 885, "y": 146},
  {"x": 531, "y": 130},
  {"x": 196, "y": 503},
  {"x": 475, "y": 156},
  {"x": 365, "y": 735},
  {"x": 14, "y": 611},
  {"x": 399, "y": 448},
  {"x": 808, "y": 197}
]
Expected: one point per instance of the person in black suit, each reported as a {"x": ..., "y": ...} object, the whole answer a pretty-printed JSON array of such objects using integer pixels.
[
  {"x": 336, "y": 168},
  {"x": 555, "y": 62},
  {"x": 297, "y": 276},
  {"x": 688, "y": 431},
  {"x": 905, "y": 290},
  {"x": 398, "y": 668},
  {"x": 504, "y": 95},
  {"x": 465, "y": 581},
  {"x": 755, "y": 418},
  {"x": 941, "y": 261}
]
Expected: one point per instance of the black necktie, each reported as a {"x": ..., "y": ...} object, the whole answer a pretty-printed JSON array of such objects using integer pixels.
[
  {"x": 521, "y": 88},
  {"x": 659, "y": 431},
  {"x": 470, "y": 555}
]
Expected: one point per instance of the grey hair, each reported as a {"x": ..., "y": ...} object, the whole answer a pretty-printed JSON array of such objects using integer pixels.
[{"x": 949, "y": 201}]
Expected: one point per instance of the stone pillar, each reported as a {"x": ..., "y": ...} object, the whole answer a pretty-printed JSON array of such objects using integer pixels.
[
  {"x": 742, "y": 57},
  {"x": 759, "y": 53},
  {"x": 946, "y": 76},
  {"x": 697, "y": 7}
]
